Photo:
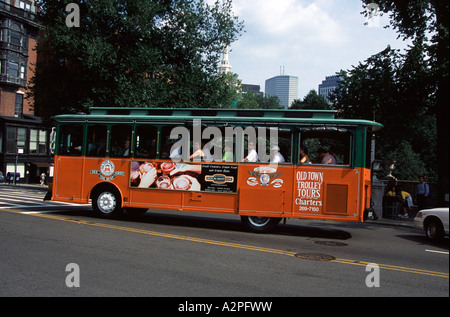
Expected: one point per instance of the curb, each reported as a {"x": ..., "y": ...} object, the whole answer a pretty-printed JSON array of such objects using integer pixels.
[{"x": 392, "y": 222}]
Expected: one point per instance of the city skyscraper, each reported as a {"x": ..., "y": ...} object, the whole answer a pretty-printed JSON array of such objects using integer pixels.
[
  {"x": 283, "y": 86},
  {"x": 328, "y": 86}
]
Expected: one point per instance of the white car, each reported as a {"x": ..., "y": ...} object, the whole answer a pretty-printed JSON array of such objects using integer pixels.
[{"x": 433, "y": 221}]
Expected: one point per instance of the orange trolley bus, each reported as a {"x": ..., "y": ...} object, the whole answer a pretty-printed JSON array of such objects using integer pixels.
[{"x": 310, "y": 164}]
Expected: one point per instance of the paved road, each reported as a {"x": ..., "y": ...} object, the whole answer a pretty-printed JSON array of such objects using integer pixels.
[{"x": 191, "y": 254}]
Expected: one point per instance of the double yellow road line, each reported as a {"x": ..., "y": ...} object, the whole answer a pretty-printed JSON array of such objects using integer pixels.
[{"x": 222, "y": 243}]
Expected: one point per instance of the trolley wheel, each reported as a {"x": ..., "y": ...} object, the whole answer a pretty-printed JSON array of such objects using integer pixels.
[
  {"x": 434, "y": 229},
  {"x": 106, "y": 202},
  {"x": 260, "y": 224}
]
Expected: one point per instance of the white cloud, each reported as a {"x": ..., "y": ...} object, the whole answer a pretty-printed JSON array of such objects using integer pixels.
[
  {"x": 311, "y": 38},
  {"x": 289, "y": 20}
]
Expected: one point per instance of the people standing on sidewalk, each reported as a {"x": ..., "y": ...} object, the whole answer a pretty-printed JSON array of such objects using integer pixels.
[
  {"x": 422, "y": 193},
  {"x": 406, "y": 201},
  {"x": 43, "y": 176}
]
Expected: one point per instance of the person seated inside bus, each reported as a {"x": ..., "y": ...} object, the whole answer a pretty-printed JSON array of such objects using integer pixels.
[
  {"x": 228, "y": 154},
  {"x": 97, "y": 149},
  {"x": 175, "y": 151},
  {"x": 201, "y": 152},
  {"x": 252, "y": 156},
  {"x": 125, "y": 150},
  {"x": 146, "y": 149},
  {"x": 275, "y": 155},
  {"x": 304, "y": 158},
  {"x": 76, "y": 150},
  {"x": 327, "y": 157}
]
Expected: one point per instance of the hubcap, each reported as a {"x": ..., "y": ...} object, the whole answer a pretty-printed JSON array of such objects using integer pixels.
[
  {"x": 431, "y": 230},
  {"x": 259, "y": 221},
  {"x": 106, "y": 202}
]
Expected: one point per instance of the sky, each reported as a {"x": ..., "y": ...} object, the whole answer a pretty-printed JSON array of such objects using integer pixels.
[{"x": 311, "y": 39}]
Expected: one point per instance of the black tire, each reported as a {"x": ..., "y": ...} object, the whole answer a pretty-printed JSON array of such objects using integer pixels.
[
  {"x": 260, "y": 224},
  {"x": 106, "y": 202},
  {"x": 434, "y": 229}
]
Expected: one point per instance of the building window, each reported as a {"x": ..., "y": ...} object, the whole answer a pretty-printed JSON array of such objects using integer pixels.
[
  {"x": 13, "y": 69},
  {"x": 22, "y": 72},
  {"x": 15, "y": 138},
  {"x": 38, "y": 141},
  {"x": 18, "y": 108},
  {"x": 16, "y": 39},
  {"x": 25, "y": 5}
]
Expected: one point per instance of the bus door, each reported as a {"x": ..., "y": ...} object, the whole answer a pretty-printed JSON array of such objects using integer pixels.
[
  {"x": 69, "y": 163},
  {"x": 262, "y": 190},
  {"x": 265, "y": 188}
]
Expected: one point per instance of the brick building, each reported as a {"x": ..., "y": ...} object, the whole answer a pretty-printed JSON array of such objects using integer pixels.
[{"x": 24, "y": 141}]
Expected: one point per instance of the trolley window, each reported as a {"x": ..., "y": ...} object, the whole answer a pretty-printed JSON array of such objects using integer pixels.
[
  {"x": 71, "y": 139},
  {"x": 96, "y": 140},
  {"x": 330, "y": 146},
  {"x": 121, "y": 140},
  {"x": 146, "y": 141}
]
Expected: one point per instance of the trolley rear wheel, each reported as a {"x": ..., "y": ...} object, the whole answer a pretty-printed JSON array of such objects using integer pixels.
[{"x": 260, "y": 224}]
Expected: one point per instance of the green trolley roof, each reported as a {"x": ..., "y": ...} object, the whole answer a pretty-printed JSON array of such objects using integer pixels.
[{"x": 250, "y": 116}]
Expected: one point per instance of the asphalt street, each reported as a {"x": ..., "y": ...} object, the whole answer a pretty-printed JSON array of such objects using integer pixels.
[{"x": 47, "y": 248}]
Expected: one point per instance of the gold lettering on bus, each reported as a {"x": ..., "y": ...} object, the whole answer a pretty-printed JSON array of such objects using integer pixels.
[{"x": 309, "y": 191}]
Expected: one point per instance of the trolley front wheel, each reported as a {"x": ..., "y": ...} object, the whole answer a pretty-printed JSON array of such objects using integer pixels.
[{"x": 106, "y": 202}]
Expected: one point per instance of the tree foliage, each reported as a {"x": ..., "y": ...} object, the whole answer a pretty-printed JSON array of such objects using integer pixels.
[
  {"x": 249, "y": 100},
  {"x": 311, "y": 101},
  {"x": 407, "y": 93},
  {"x": 152, "y": 53},
  {"x": 393, "y": 89},
  {"x": 426, "y": 22}
]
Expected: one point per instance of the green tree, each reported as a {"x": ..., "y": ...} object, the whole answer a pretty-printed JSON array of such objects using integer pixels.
[
  {"x": 393, "y": 89},
  {"x": 311, "y": 101},
  {"x": 268, "y": 102},
  {"x": 427, "y": 23},
  {"x": 152, "y": 53},
  {"x": 250, "y": 100}
]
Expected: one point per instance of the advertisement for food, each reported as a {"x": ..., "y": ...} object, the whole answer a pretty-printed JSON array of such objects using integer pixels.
[{"x": 184, "y": 176}]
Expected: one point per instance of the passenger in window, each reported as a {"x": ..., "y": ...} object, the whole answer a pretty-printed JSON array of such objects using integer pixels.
[
  {"x": 304, "y": 158},
  {"x": 201, "y": 152},
  {"x": 276, "y": 156},
  {"x": 76, "y": 150},
  {"x": 125, "y": 151},
  {"x": 175, "y": 151},
  {"x": 252, "y": 155},
  {"x": 207, "y": 156},
  {"x": 228, "y": 154},
  {"x": 198, "y": 152},
  {"x": 327, "y": 157}
]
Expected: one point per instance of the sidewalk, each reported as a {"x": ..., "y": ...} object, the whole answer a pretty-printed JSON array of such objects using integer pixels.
[{"x": 32, "y": 186}]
